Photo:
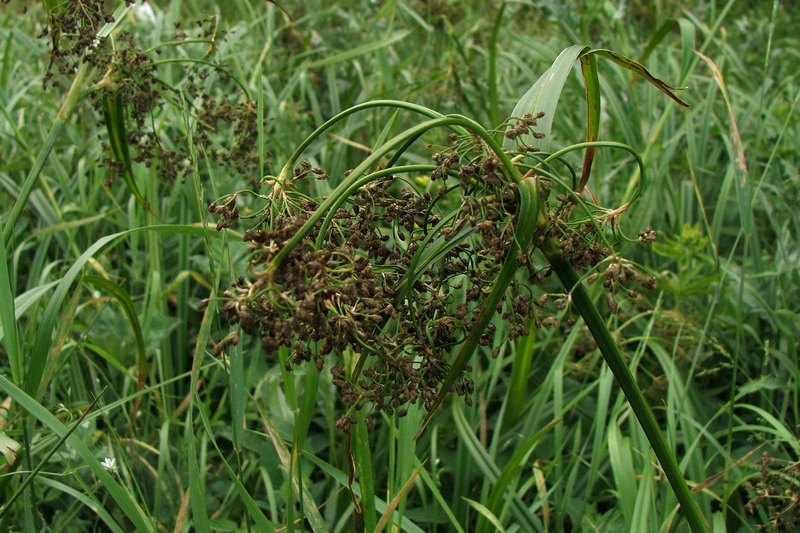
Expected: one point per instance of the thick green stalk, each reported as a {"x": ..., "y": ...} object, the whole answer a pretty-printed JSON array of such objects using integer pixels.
[
  {"x": 527, "y": 225},
  {"x": 611, "y": 354},
  {"x": 344, "y": 188},
  {"x": 399, "y": 104}
]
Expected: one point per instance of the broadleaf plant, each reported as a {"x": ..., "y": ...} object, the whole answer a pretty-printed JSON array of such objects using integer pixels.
[{"x": 404, "y": 270}]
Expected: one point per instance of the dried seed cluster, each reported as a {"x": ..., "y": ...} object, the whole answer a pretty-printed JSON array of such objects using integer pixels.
[
  {"x": 398, "y": 280},
  {"x": 72, "y": 29},
  {"x": 775, "y": 490},
  {"x": 130, "y": 75},
  {"x": 369, "y": 300},
  {"x": 581, "y": 244}
]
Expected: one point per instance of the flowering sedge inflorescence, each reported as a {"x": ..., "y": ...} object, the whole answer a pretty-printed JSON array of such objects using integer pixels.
[
  {"x": 397, "y": 281},
  {"x": 128, "y": 74}
]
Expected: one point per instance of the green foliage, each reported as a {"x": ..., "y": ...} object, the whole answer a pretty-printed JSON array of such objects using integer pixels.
[{"x": 128, "y": 401}]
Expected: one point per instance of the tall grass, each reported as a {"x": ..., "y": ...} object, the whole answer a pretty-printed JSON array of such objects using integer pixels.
[{"x": 124, "y": 407}]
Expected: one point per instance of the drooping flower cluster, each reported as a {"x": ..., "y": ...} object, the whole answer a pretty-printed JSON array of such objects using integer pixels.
[{"x": 398, "y": 279}]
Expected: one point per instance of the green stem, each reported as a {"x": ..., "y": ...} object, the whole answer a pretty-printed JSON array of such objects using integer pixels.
[
  {"x": 613, "y": 357},
  {"x": 634, "y": 189},
  {"x": 287, "y": 168},
  {"x": 344, "y": 187},
  {"x": 494, "y": 104},
  {"x": 403, "y": 169}
]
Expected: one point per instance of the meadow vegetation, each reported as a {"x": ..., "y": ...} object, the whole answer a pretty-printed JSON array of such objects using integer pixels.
[{"x": 403, "y": 265}]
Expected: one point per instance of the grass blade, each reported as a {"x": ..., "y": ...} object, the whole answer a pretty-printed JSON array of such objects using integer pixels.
[
  {"x": 608, "y": 348},
  {"x": 392, "y": 506},
  {"x": 39, "y": 354},
  {"x": 341, "y": 479},
  {"x": 114, "y": 113},
  {"x": 640, "y": 70},
  {"x": 357, "y": 51},
  {"x": 520, "y": 370},
  {"x": 527, "y": 520},
  {"x": 743, "y": 195},
  {"x": 126, "y": 303},
  {"x": 486, "y": 513},
  {"x": 88, "y": 500},
  {"x": 117, "y": 492},
  {"x": 254, "y": 511},
  {"x": 592, "y": 82},
  {"x": 8, "y": 318},
  {"x": 70, "y": 101},
  {"x": 543, "y": 97},
  {"x": 363, "y": 459},
  {"x": 29, "y": 478}
]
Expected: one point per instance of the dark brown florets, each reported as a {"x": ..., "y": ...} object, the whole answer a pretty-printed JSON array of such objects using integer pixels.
[
  {"x": 355, "y": 298},
  {"x": 525, "y": 125},
  {"x": 773, "y": 491},
  {"x": 129, "y": 76},
  {"x": 373, "y": 299}
]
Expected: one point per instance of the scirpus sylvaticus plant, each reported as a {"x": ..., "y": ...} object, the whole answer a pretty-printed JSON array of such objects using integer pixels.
[{"x": 395, "y": 279}]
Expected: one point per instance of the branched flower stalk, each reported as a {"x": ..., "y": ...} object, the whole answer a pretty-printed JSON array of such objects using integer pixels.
[{"x": 396, "y": 289}]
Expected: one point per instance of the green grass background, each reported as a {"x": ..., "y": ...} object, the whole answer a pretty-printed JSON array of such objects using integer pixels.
[{"x": 106, "y": 294}]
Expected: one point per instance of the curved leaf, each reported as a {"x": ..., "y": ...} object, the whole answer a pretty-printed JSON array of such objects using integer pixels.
[
  {"x": 39, "y": 354},
  {"x": 114, "y": 115},
  {"x": 543, "y": 97},
  {"x": 638, "y": 69},
  {"x": 115, "y": 490},
  {"x": 125, "y": 301}
]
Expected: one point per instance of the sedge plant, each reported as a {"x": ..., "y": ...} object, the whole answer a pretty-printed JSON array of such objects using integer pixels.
[{"x": 399, "y": 274}]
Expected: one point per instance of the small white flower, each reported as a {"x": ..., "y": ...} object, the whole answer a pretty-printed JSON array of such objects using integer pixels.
[{"x": 110, "y": 464}]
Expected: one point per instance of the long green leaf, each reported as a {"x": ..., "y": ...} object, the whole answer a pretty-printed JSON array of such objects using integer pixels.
[
  {"x": 528, "y": 520},
  {"x": 357, "y": 51},
  {"x": 255, "y": 512},
  {"x": 592, "y": 83},
  {"x": 545, "y": 93},
  {"x": 520, "y": 370},
  {"x": 363, "y": 460},
  {"x": 25, "y": 300},
  {"x": 543, "y": 97},
  {"x": 70, "y": 102},
  {"x": 126, "y": 303},
  {"x": 88, "y": 500},
  {"x": 8, "y": 317},
  {"x": 35, "y": 472},
  {"x": 286, "y": 458},
  {"x": 341, "y": 478},
  {"x": 39, "y": 354},
  {"x": 196, "y": 480},
  {"x": 114, "y": 115},
  {"x": 117, "y": 492},
  {"x": 512, "y": 468},
  {"x": 641, "y": 71}
]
